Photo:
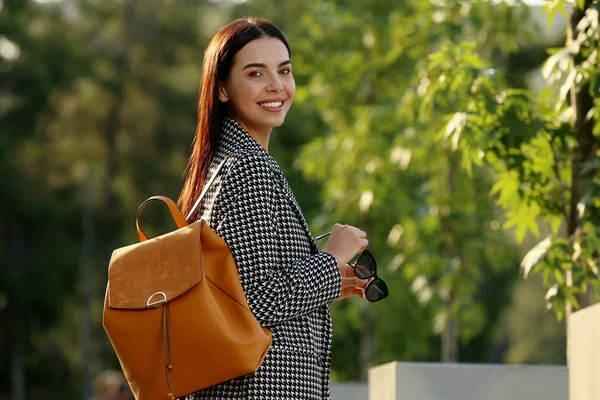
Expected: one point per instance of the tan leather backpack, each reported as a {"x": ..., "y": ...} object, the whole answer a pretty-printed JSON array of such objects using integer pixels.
[{"x": 176, "y": 314}]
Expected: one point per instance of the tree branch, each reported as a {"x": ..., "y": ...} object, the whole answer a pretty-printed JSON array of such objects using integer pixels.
[{"x": 563, "y": 187}]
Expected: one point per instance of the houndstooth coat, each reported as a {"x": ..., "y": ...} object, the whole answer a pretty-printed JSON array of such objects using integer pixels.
[{"x": 287, "y": 281}]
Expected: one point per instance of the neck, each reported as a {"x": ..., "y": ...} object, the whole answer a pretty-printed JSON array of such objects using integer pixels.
[{"x": 260, "y": 134}]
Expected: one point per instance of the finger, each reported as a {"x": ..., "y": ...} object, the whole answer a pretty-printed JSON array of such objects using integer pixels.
[
  {"x": 364, "y": 243},
  {"x": 354, "y": 282},
  {"x": 347, "y": 271},
  {"x": 345, "y": 293},
  {"x": 359, "y": 232},
  {"x": 359, "y": 292}
]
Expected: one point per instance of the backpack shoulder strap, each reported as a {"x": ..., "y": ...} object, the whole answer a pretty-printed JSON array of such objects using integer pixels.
[{"x": 207, "y": 186}]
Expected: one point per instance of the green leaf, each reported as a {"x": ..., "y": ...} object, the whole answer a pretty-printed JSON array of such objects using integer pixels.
[
  {"x": 507, "y": 186},
  {"x": 524, "y": 217},
  {"x": 552, "y": 7},
  {"x": 559, "y": 310},
  {"x": 566, "y": 265},
  {"x": 467, "y": 162},
  {"x": 547, "y": 275},
  {"x": 555, "y": 222},
  {"x": 538, "y": 267},
  {"x": 560, "y": 279},
  {"x": 437, "y": 59},
  {"x": 571, "y": 299}
]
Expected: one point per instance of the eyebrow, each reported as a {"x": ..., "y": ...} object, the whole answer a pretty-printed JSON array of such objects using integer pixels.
[{"x": 258, "y": 65}]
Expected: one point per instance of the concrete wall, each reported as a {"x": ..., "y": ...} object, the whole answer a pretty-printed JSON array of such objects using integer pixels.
[
  {"x": 349, "y": 391},
  {"x": 584, "y": 354},
  {"x": 425, "y": 381}
]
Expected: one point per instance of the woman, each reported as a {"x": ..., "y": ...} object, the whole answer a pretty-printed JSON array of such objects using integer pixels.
[{"x": 247, "y": 89}]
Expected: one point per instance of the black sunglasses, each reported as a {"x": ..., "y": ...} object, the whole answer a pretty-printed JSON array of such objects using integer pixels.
[{"x": 365, "y": 267}]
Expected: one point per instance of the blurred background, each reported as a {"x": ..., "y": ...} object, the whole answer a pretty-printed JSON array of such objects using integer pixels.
[{"x": 446, "y": 129}]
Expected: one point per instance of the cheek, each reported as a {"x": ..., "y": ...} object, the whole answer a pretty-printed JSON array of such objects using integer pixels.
[
  {"x": 243, "y": 92},
  {"x": 290, "y": 87}
]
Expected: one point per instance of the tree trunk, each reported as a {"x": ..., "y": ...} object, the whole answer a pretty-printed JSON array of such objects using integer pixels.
[
  {"x": 17, "y": 364},
  {"x": 450, "y": 334},
  {"x": 366, "y": 343},
  {"x": 113, "y": 126},
  {"x": 88, "y": 279},
  {"x": 582, "y": 103}
]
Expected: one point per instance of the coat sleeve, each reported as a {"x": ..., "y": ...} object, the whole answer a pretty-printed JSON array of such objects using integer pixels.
[{"x": 275, "y": 292}]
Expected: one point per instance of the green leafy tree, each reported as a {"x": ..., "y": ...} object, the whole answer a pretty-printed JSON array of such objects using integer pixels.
[{"x": 542, "y": 148}]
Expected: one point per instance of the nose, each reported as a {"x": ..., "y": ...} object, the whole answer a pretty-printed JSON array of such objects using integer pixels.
[{"x": 274, "y": 84}]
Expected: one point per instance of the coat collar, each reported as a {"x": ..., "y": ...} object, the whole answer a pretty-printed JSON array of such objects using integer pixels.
[{"x": 235, "y": 138}]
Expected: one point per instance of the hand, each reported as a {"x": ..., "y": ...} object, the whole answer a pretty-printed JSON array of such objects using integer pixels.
[
  {"x": 345, "y": 242},
  {"x": 351, "y": 285}
]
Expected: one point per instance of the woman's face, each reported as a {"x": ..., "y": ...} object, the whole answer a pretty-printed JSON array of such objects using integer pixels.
[{"x": 260, "y": 86}]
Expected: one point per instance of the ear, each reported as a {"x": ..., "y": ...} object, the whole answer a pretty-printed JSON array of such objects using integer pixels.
[{"x": 223, "y": 96}]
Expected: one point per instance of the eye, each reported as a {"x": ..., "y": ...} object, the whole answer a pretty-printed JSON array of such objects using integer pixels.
[
  {"x": 285, "y": 71},
  {"x": 255, "y": 74}
]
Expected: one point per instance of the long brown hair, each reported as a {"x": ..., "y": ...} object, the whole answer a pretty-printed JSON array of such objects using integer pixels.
[{"x": 216, "y": 65}]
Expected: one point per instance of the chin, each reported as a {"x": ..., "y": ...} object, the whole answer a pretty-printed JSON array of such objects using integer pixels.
[
  {"x": 273, "y": 122},
  {"x": 279, "y": 123}
]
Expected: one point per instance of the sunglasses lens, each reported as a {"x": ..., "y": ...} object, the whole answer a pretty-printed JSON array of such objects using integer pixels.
[
  {"x": 365, "y": 266},
  {"x": 377, "y": 290},
  {"x": 362, "y": 272}
]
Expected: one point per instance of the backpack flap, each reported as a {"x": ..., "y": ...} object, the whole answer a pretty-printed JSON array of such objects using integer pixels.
[{"x": 158, "y": 270}]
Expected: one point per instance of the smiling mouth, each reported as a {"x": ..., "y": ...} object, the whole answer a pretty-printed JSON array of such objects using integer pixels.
[{"x": 272, "y": 104}]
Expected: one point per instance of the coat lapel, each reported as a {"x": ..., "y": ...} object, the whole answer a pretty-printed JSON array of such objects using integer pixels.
[
  {"x": 234, "y": 137},
  {"x": 289, "y": 194}
]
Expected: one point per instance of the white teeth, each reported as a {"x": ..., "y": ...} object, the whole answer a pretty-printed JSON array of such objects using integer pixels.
[{"x": 273, "y": 104}]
